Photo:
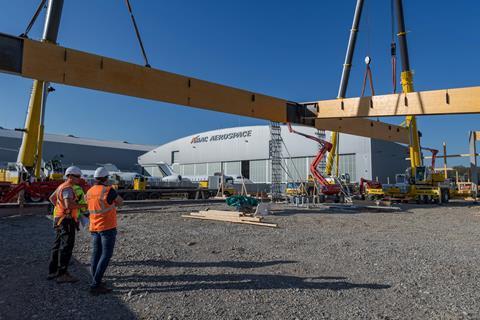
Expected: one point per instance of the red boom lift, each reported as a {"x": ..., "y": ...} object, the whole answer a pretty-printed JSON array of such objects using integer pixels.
[{"x": 327, "y": 188}]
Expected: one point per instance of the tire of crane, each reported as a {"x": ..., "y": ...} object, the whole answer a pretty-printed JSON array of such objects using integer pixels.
[
  {"x": 128, "y": 196},
  {"x": 444, "y": 196},
  {"x": 154, "y": 195},
  {"x": 30, "y": 199},
  {"x": 425, "y": 199},
  {"x": 142, "y": 196}
]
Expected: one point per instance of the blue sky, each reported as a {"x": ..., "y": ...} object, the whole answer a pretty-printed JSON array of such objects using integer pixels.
[{"x": 288, "y": 49}]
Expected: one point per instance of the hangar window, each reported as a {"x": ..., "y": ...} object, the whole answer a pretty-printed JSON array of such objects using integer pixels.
[
  {"x": 233, "y": 168},
  {"x": 347, "y": 165},
  {"x": 258, "y": 171},
  {"x": 213, "y": 167}
]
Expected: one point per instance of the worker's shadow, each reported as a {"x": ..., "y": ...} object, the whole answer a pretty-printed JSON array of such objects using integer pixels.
[
  {"x": 194, "y": 282},
  {"x": 206, "y": 264}
]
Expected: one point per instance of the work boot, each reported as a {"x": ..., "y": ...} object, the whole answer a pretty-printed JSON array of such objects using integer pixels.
[
  {"x": 101, "y": 289},
  {"x": 66, "y": 278}
]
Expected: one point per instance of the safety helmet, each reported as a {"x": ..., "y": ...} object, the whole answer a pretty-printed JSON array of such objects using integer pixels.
[
  {"x": 74, "y": 171},
  {"x": 101, "y": 172}
]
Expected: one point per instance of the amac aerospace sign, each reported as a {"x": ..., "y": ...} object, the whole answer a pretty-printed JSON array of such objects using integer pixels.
[{"x": 220, "y": 137}]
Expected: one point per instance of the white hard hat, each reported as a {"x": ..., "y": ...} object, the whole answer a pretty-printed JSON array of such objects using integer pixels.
[
  {"x": 101, "y": 172},
  {"x": 73, "y": 170}
]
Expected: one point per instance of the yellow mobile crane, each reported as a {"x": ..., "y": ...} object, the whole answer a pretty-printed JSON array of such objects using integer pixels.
[
  {"x": 29, "y": 185},
  {"x": 423, "y": 182},
  {"x": 406, "y": 81},
  {"x": 30, "y": 154}
]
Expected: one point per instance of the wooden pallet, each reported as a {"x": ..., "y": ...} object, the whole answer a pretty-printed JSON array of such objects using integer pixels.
[{"x": 229, "y": 216}]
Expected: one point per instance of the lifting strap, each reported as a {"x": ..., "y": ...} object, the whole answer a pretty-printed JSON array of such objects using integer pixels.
[
  {"x": 368, "y": 73},
  {"x": 34, "y": 18},
  {"x": 137, "y": 33}
]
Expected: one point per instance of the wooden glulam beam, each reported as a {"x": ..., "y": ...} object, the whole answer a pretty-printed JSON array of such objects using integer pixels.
[
  {"x": 53, "y": 63},
  {"x": 80, "y": 69},
  {"x": 366, "y": 128},
  {"x": 435, "y": 102}
]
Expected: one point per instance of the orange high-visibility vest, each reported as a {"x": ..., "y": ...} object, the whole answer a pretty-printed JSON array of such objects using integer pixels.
[
  {"x": 103, "y": 216},
  {"x": 60, "y": 207}
]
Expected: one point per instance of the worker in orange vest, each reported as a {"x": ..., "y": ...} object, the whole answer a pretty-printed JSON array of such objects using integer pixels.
[
  {"x": 102, "y": 201},
  {"x": 65, "y": 224}
]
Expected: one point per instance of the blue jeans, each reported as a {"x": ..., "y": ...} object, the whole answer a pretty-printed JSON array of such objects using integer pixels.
[{"x": 102, "y": 243}]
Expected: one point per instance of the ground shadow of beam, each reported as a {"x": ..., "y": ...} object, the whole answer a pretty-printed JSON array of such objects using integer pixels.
[
  {"x": 26, "y": 294},
  {"x": 194, "y": 282},
  {"x": 340, "y": 211},
  {"x": 205, "y": 264},
  {"x": 461, "y": 204}
]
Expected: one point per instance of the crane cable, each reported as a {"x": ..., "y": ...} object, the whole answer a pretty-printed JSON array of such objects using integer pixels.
[
  {"x": 34, "y": 18},
  {"x": 129, "y": 7},
  {"x": 368, "y": 70},
  {"x": 393, "y": 48}
]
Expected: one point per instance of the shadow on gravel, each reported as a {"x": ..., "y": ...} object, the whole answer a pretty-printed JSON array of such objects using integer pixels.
[
  {"x": 327, "y": 212},
  {"x": 25, "y": 293},
  {"x": 404, "y": 208},
  {"x": 173, "y": 283},
  {"x": 451, "y": 204},
  {"x": 206, "y": 264}
]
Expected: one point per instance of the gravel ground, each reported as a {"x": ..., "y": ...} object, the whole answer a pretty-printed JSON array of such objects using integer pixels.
[{"x": 420, "y": 263}]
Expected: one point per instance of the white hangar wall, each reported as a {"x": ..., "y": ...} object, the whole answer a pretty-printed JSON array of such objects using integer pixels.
[{"x": 245, "y": 151}]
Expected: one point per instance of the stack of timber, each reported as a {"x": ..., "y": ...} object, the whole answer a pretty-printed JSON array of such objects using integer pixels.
[{"x": 229, "y": 216}]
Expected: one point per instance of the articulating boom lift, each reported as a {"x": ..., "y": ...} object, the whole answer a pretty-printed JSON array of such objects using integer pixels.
[{"x": 327, "y": 188}]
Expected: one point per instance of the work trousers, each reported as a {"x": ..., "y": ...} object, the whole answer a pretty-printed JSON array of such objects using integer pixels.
[
  {"x": 103, "y": 243},
  {"x": 62, "y": 247}
]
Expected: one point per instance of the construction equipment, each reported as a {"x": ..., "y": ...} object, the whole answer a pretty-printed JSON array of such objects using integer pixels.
[
  {"x": 420, "y": 183},
  {"x": 29, "y": 159},
  {"x": 326, "y": 186},
  {"x": 54, "y": 170},
  {"x": 30, "y": 154},
  {"x": 298, "y": 188},
  {"x": 370, "y": 189}
]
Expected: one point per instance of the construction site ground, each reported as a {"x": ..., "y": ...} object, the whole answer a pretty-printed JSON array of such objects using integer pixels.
[{"x": 419, "y": 263}]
